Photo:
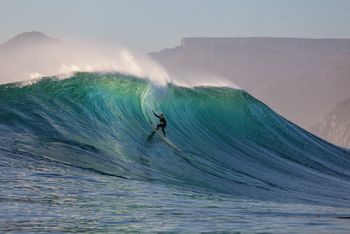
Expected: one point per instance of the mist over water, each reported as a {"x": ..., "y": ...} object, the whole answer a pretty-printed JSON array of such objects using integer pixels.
[{"x": 31, "y": 60}]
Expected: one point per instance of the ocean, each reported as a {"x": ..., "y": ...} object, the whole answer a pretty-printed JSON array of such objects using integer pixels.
[{"x": 79, "y": 155}]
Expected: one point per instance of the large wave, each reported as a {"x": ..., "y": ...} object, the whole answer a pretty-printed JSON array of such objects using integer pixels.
[{"x": 218, "y": 139}]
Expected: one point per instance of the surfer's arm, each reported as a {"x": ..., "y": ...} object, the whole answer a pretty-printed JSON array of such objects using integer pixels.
[{"x": 155, "y": 114}]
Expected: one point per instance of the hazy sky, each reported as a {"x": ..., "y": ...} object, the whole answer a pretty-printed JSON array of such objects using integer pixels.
[{"x": 149, "y": 25}]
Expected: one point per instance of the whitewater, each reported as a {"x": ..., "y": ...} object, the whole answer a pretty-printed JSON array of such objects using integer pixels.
[{"x": 78, "y": 155}]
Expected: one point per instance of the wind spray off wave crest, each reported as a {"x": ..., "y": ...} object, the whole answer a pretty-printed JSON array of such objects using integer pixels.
[
  {"x": 26, "y": 59},
  {"x": 31, "y": 60}
]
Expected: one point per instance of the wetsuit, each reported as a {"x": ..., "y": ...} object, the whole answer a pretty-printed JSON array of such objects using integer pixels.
[{"x": 162, "y": 123}]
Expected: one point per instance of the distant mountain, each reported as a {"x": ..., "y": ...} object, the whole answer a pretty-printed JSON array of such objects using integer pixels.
[
  {"x": 27, "y": 40},
  {"x": 28, "y": 52},
  {"x": 33, "y": 37},
  {"x": 300, "y": 78},
  {"x": 335, "y": 125}
]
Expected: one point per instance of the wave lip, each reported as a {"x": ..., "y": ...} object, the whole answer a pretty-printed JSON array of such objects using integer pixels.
[{"x": 218, "y": 139}]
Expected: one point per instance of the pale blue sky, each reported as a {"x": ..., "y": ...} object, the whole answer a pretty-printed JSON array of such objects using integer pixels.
[{"x": 149, "y": 25}]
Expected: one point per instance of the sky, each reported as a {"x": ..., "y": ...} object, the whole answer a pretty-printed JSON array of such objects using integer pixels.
[{"x": 152, "y": 25}]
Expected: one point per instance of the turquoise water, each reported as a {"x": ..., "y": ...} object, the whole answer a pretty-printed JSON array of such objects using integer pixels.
[{"x": 78, "y": 155}]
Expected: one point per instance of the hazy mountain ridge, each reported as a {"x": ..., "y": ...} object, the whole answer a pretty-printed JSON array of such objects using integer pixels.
[
  {"x": 26, "y": 52},
  {"x": 335, "y": 126},
  {"x": 25, "y": 42},
  {"x": 30, "y": 37},
  {"x": 302, "y": 79}
]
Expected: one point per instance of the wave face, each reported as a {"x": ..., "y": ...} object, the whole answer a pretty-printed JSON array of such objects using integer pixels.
[{"x": 218, "y": 139}]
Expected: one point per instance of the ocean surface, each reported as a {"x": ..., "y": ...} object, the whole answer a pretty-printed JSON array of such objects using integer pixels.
[{"x": 80, "y": 155}]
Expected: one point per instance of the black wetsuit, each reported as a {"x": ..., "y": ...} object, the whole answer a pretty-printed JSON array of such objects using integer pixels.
[{"x": 162, "y": 122}]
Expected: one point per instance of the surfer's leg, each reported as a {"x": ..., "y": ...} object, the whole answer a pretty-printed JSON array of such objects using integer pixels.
[
  {"x": 159, "y": 125},
  {"x": 163, "y": 131}
]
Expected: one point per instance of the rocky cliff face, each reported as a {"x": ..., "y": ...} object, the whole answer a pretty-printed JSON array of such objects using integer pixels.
[
  {"x": 300, "y": 78},
  {"x": 335, "y": 126}
]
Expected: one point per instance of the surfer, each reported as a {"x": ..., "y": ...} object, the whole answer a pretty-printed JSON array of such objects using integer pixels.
[{"x": 162, "y": 121}]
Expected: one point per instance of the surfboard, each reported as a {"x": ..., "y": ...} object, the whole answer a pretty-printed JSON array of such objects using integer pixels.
[{"x": 161, "y": 136}]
